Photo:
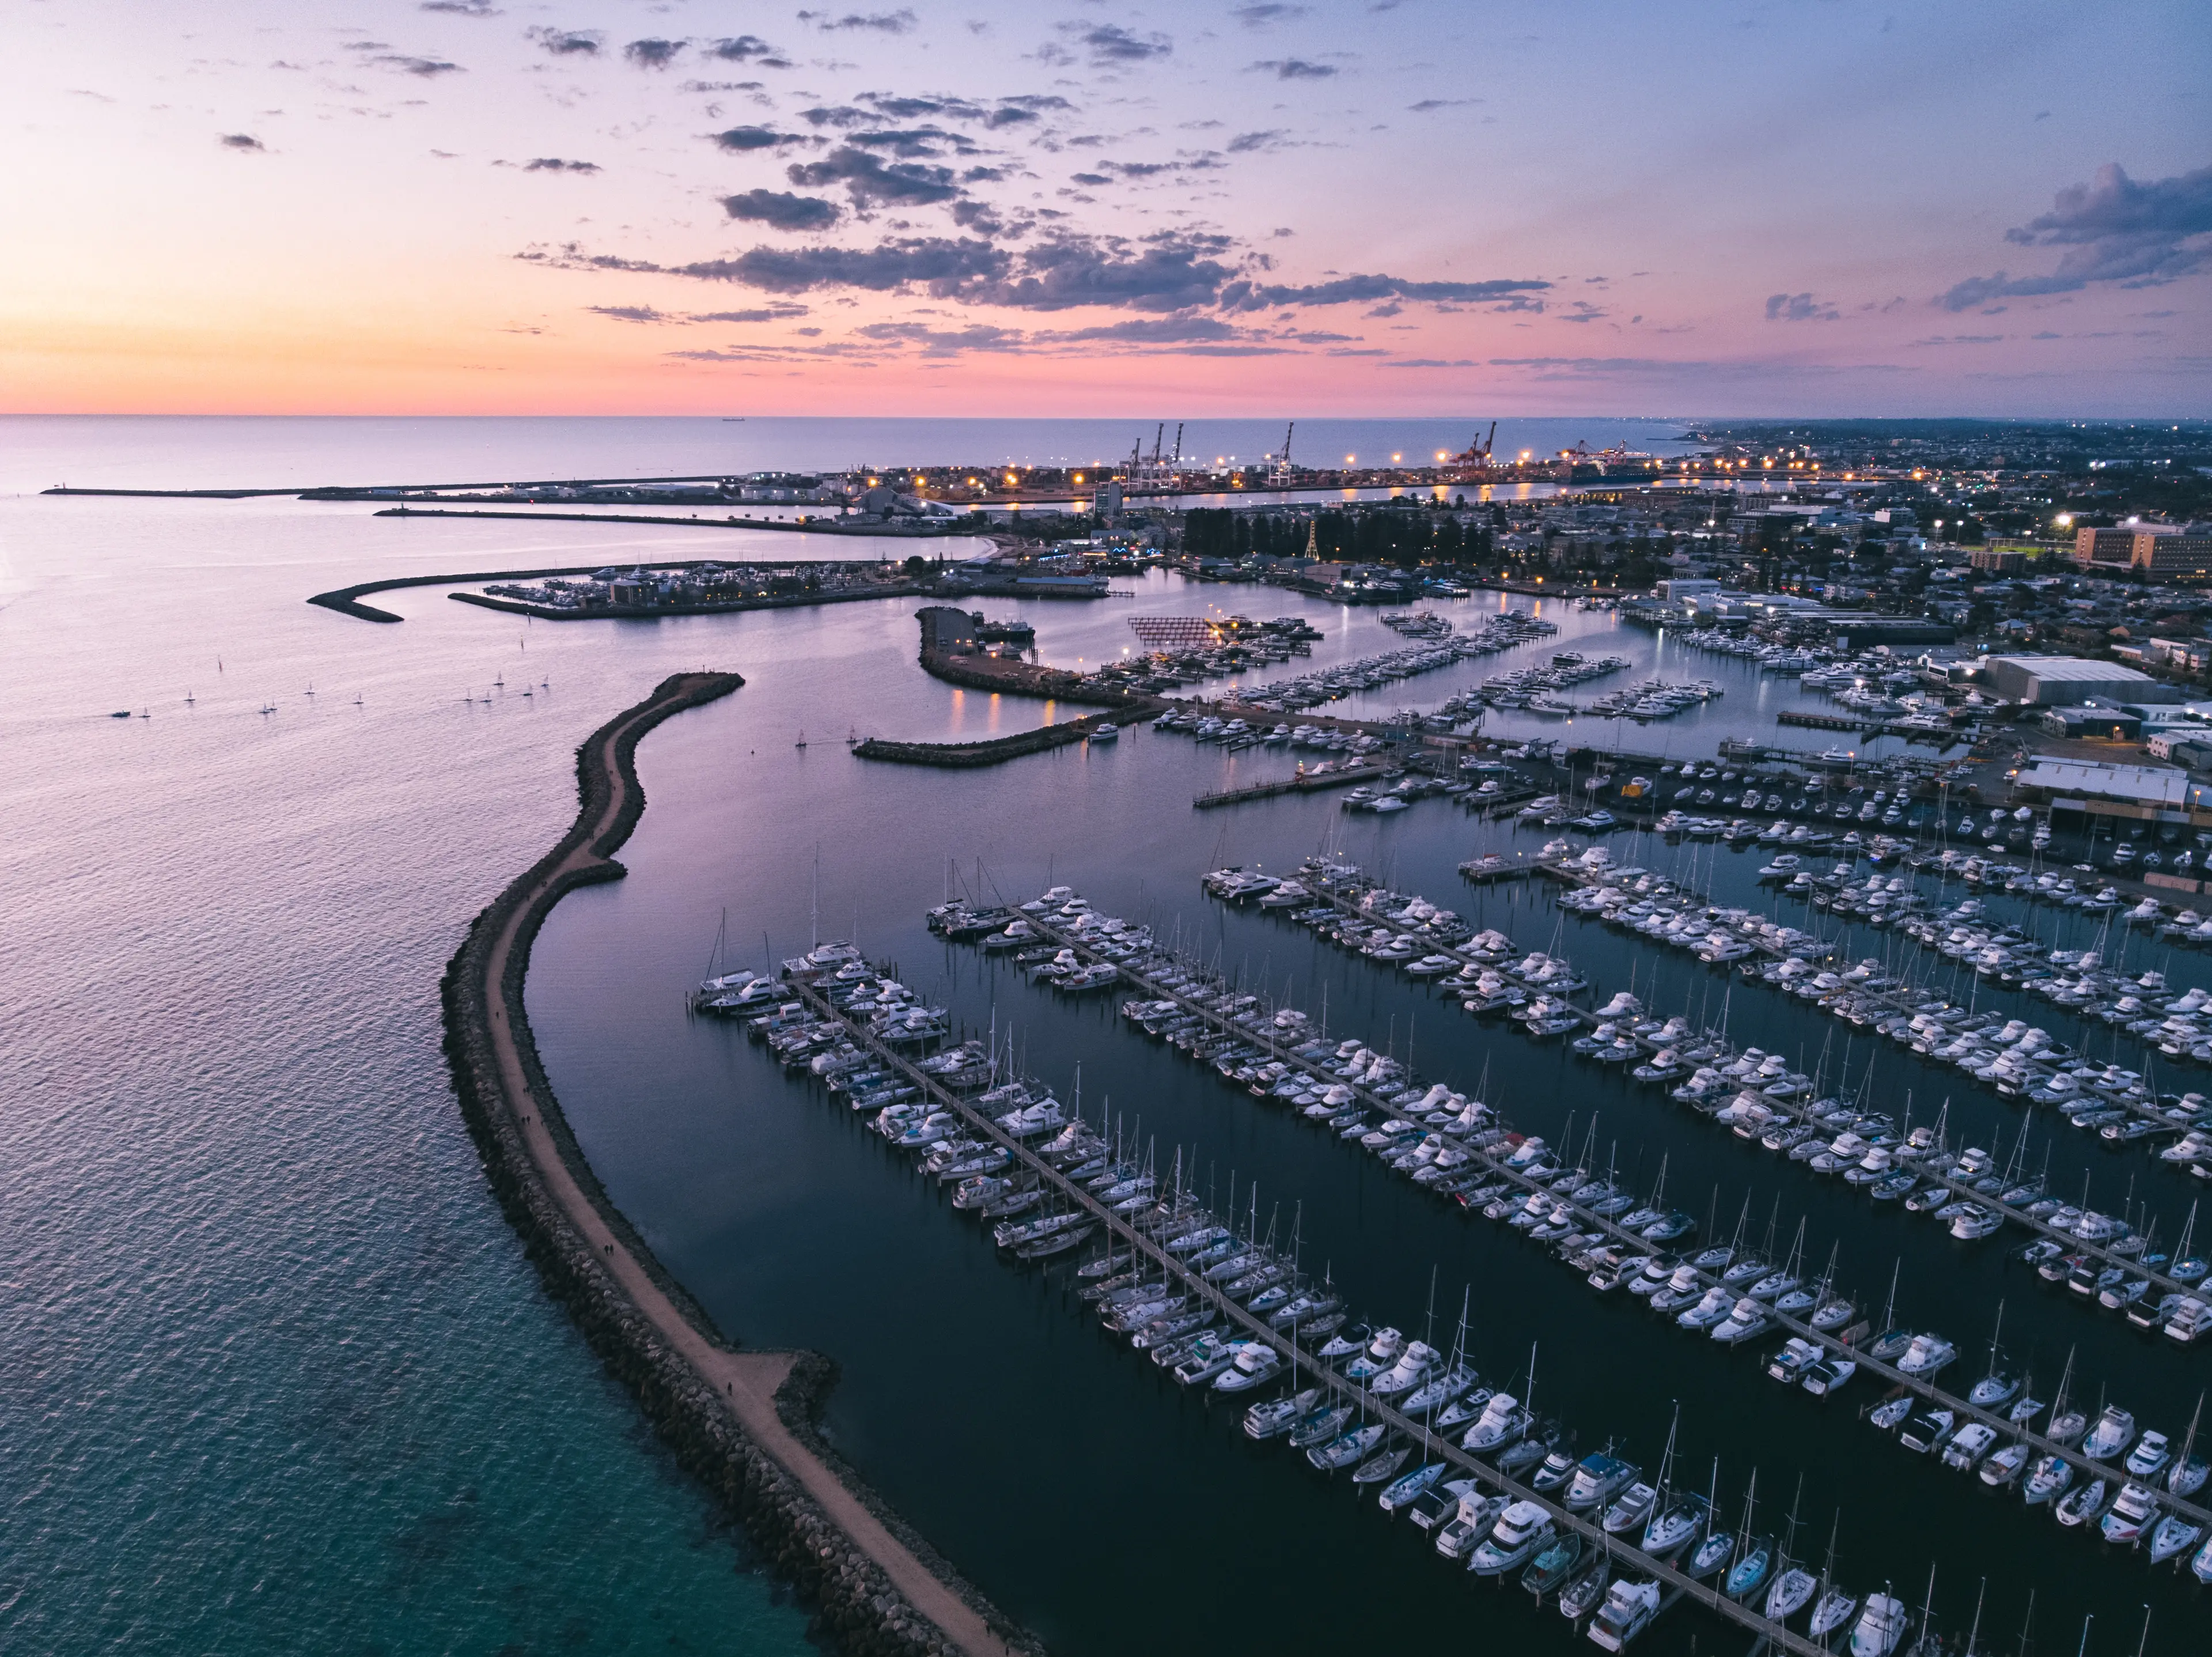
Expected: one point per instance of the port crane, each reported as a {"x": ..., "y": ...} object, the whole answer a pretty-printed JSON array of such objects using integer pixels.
[
  {"x": 1477, "y": 453},
  {"x": 1281, "y": 474},
  {"x": 1160, "y": 471}
]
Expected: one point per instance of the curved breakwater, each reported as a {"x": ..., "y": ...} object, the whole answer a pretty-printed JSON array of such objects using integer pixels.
[{"x": 741, "y": 1422}]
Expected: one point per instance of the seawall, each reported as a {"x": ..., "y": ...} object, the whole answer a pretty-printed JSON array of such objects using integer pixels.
[
  {"x": 990, "y": 751},
  {"x": 742, "y": 1423}
]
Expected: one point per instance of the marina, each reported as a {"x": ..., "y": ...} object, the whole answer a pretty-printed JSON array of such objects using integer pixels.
[
  {"x": 1138, "y": 1228},
  {"x": 1539, "y": 999},
  {"x": 2015, "y": 1060},
  {"x": 1576, "y": 1222}
]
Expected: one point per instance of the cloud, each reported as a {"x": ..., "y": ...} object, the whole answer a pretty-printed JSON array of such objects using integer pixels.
[
  {"x": 909, "y": 143},
  {"x": 745, "y": 49},
  {"x": 1093, "y": 179},
  {"x": 741, "y": 139},
  {"x": 781, "y": 211},
  {"x": 1294, "y": 69},
  {"x": 945, "y": 342},
  {"x": 1800, "y": 307},
  {"x": 647, "y": 313},
  {"x": 1428, "y": 104},
  {"x": 1175, "y": 272},
  {"x": 1366, "y": 289},
  {"x": 1151, "y": 331},
  {"x": 245, "y": 142},
  {"x": 2115, "y": 229},
  {"x": 883, "y": 22},
  {"x": 1428, "y": 362},
  {"x": 462, "y": 8},
  {"x": 871, "y": 182},
  {"x": 1960, "y": 340},
  {"x": 568, "y": 43},
  {"x": 554, "y": 164},
  {"x": 1109, "y": 42},
  {"x": 1264, "y": 12},
  {"x": 652, "y": 53},
  {"x": 424, "y": 67},
  {"x": 1245, "y": 142}
]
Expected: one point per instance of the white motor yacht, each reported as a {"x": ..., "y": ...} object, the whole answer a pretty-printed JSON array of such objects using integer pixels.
[
  {"x": 1503, "y": 1420},
  {"x": 1629, "y": 1605},
  {"x": 1522, "y": 1529},
  {"x": 1968, "y": 1445},
  {"x": 2152, "y": 1452},
  {"x": 2135, "y": 1512},
  {"x": 1926, "y": 1355},
  {"x": 1709, "y": 1311},
  {"x": 1597, "y": 1478},
  {"x": 1746, "y": 1319},
  {"x": 2048, "y": 1478},
  {"x": 1630, "y": 1508},
  {"x": 2114, "y": 1431},
  {"x": 1880, "y": 1627},
  {"x": 1412, "y": 1368},
  {"x": 1477, "y": 1517}
]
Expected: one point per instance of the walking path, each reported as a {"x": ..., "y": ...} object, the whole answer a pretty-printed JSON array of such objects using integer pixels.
[{"x": 748, "y": 1380}]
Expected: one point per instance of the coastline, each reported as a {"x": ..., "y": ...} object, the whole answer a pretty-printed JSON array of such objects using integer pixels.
[
  {"x": 740, "y": 1421},
  {"x": 791, "y": 525}
]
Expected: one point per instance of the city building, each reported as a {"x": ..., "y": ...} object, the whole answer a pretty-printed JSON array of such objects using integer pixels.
[
  {"x": 2114, "y": 547},
  {"x": 2062, "y": 682},
  {"x": 2164, "y": 553},
  {"x": 947, "y": 631},
  {"x": 2143, "y": 792}
]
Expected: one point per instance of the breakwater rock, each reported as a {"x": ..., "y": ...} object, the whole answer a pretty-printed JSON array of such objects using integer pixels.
[
  {"x": 997, "y": 749},
  {"x": 742, "y": 1424}
]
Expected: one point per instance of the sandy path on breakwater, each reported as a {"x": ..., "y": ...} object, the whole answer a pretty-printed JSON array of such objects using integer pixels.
[{"x": 747, "y": 1380}]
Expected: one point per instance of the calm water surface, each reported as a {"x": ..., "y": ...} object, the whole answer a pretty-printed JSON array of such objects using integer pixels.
[{"x": 276, "y": 1367}]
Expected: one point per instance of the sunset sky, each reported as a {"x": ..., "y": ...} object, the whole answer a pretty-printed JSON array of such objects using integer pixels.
[{"x": 1408, "y": 206}]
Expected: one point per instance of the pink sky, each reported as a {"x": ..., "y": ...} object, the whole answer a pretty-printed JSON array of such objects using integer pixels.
[{"x": 1398, "y": 208}]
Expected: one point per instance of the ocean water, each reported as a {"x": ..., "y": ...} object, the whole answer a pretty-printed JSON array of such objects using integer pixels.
[
  {"x": 165, "y": 452},
  {"x": 277, "y": 1376}
]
